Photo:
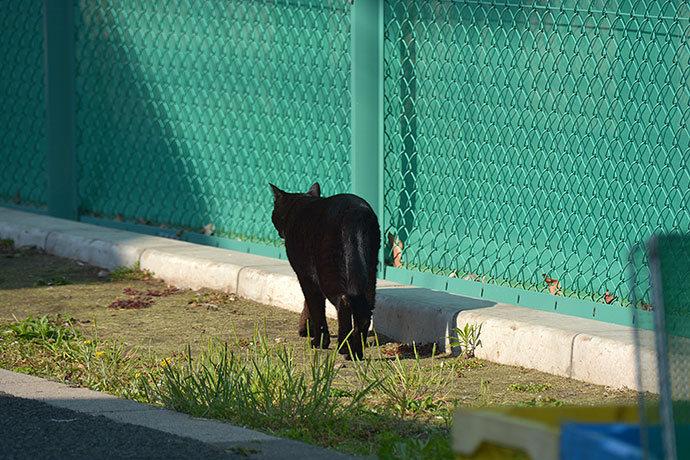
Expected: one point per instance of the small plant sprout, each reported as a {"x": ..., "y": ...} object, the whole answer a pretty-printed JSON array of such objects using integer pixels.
[
  {"x": 132, "y": 272},
  {"x": 467, "y": 339},
  {"x": 530, "y": 387}
]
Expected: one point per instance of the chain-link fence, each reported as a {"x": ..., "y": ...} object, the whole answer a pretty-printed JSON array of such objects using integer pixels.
[
  {"x": 531, "y": 144},
  {"x": 22, "y": 117},
  {"x": 186, "y": 111},
  {"x": 527, "y": 144}
]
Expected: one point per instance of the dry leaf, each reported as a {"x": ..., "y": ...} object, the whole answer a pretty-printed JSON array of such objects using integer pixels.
[
  {"x": 554, "y": 285},
  {"x": 179, "y": 233},
  {"x": 453, "y": 275},
  {"x": 473, "y": 277},
  {"x": 608, "y": 298},
  {"x": 118, "y": 218},
  {"x": 208, "y": 229},
  {"x": 397, "y": 247},
  {"x": 645, "y": 306}
]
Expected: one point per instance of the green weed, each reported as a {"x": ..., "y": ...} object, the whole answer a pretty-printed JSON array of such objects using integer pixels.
[
  {"x": 52, "y": 346},
  {"x": 132, "y": 272},
  {"x": 404, "y": 386},
  {"x": 261, "y": 385},
  {"x": 530, "y": 387},
  {"x": 541, "y": 402},
  {"x": 56, "y": 281},
  {"x": 467, "y": 339},
  {"x": 395, "y": 447},
  {"x": 471, "y": 363},
  {"x": 52, "y": 334},
  {"x": 484, "y": 398}
]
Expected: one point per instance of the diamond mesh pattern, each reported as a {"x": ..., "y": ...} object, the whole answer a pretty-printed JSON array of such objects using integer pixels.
[
  {"x": 522, "y": 140},
  {"x": 186, "y": 110},
  {"x": 22, "y": 117},
  {"x": 674, "y": 273},
  {"x": 539, "y": 139}
]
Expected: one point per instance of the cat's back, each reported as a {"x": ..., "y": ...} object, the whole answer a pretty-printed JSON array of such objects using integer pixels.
[
  {"x": 349, "y": 214},
  {"x": 346, "y": 202},
  {"x": 323, "y": 215}
]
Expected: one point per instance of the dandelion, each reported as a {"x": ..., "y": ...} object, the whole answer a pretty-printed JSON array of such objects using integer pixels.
[
  {"x": 87, "y": 342},
  {"x": 99, "y": 354},
  {"x": 165, "y": 362}
]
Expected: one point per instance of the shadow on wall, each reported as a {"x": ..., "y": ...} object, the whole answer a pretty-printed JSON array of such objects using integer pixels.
[
  {"x": 398, "y": 310},
  {"x": 133, "y": 153},
  {"x": 22, "y": 143}
]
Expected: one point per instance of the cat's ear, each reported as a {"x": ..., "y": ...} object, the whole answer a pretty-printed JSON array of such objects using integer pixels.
[
  {"x": 315, "y": 190},
  {"x": 277, "y": 193}
]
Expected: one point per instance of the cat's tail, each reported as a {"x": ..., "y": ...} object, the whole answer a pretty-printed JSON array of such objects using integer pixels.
[{"x": 361, "y": 236}]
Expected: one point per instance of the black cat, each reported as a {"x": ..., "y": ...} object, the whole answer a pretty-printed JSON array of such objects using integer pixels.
[{"x": 332, "y": 244}]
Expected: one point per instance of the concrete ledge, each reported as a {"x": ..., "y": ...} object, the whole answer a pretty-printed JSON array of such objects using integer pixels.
[
  {"x": 219, "y": 434},
  {"x": 583, "y": 349}
]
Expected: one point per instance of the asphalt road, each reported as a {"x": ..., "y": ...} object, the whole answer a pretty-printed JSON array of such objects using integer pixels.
[{"x": 34, "y": 430}]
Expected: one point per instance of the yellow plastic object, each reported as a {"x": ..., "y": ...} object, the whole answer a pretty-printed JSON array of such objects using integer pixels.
[{"x": 524, "y": 432}]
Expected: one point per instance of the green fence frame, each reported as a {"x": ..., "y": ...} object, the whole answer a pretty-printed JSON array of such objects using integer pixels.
[{"x": 60, "y": 126}]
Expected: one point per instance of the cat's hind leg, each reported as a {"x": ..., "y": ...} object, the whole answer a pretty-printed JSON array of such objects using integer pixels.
[
  {"x": 344, "y": 309},
  {"x": 353, "y": 310},
  {"x": 316, "y": 315},
  {"x": 361, "y": 316},
  {"x": 306, "y": 326}
]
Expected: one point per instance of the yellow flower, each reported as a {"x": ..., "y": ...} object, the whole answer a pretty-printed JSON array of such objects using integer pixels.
[
  {"x": 99, "y": 354},
  {"x": 86, "y": 342},
  {"x": 164, "y": 363}
]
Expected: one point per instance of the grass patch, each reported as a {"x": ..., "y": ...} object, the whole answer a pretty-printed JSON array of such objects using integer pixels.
[
  {"x": 530, "y": 387},
  {"x": 471, "y": 363},
  {"x": 132, "y": 272},
  {"x": 54, "y": 347},
  {"x": 56, "y": 281},
  {"x": 405, "y": 387},
  {"x": 391, "y": 406},
  {"x": 436, "y": 446},
  {"x": 542, "y": 402},
  {"x": 263, "y": 385},
  {"x": 212, "y": 300}
]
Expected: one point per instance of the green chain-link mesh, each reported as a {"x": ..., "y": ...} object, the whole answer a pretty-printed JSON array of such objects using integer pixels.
[
  {"x": 523, "y": 141},
  {"x": 22, "y": 116},
  {"x": 187, "y": 110},
  {"x": 531, "y": 140}
]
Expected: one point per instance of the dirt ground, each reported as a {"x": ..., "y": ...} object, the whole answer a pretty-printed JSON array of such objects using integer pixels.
[{"x": 34, "y": 283}]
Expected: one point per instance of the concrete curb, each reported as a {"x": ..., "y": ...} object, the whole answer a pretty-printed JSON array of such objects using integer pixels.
[
  {"x": 582, "y": 349},
  {"x": 213, "y": 432}
]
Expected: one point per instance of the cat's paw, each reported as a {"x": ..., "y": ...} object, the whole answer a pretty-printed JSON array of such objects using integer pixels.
[
  {"x": 351, "y": 351},
  {"x": 356, "y": 355},
  {"x": 321, "y": 342},
  {"x": 304, "y": 331}
]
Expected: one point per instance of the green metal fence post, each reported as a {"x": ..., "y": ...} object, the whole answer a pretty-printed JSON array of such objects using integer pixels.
[
  {"x": 58, "y": 17},
  {"x": 367, "y": 105}
]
